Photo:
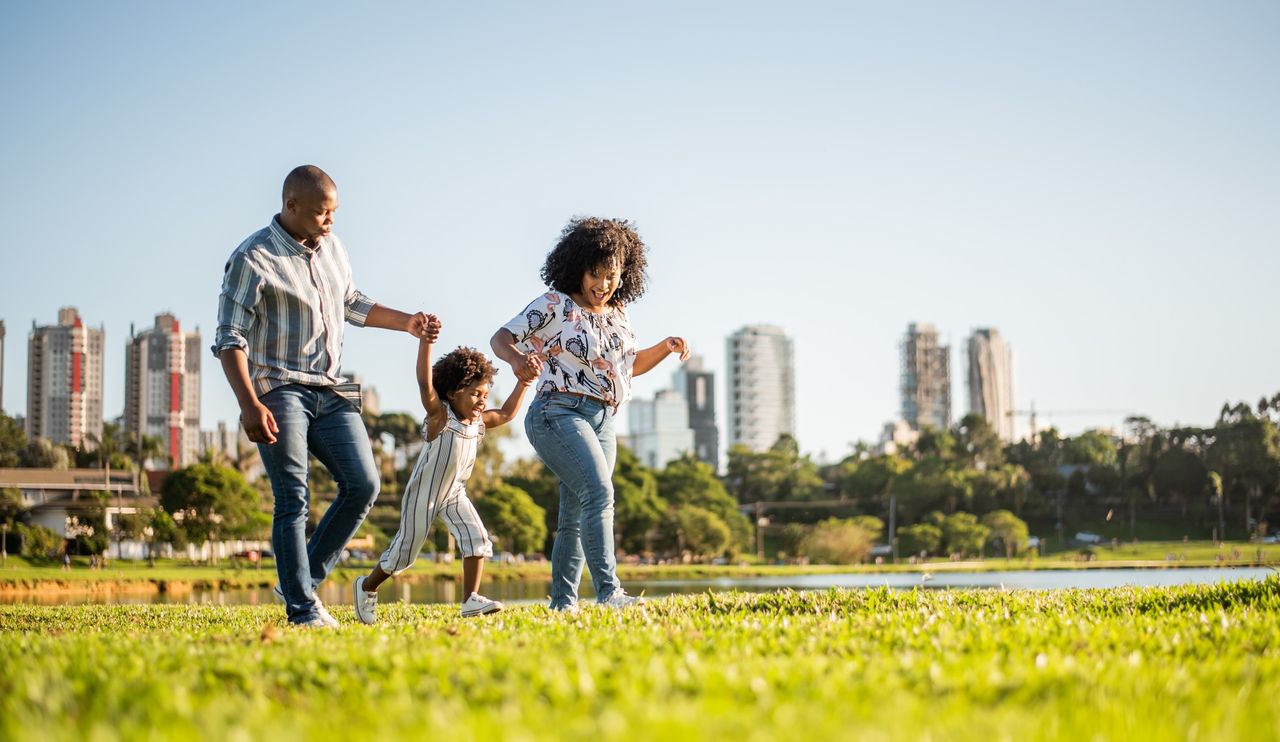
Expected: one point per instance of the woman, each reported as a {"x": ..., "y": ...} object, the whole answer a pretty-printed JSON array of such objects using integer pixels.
[{"x": 581, "y": 334}]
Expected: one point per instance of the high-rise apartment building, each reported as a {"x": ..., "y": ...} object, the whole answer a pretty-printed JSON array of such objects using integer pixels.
[
  {"x": 659, "y": 427},
  {"x": 162, "y": 388},
  {"x": 761, "y": 386},
  {"x": 698, "y": 387},
  {"x": 991, "y": 380},
  {"x": 1, "y": 365},
  {"x": 926, "y": 378},
  {"x": 64, "y": 381}
]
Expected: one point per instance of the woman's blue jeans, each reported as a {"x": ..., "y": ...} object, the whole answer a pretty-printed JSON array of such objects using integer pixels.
[
  {"x": 316, "y": 420},
  {"x": 574, "y": 437}
]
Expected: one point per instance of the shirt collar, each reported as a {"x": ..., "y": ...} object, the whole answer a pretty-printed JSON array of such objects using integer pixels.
[{"x": 285, "y": 239}]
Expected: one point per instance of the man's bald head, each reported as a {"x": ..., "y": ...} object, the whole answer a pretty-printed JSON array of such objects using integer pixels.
[
  {"x": 310, "y": 199},
  {"x": 307, "y": 181}
]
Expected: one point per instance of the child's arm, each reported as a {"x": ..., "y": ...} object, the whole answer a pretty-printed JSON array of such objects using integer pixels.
[
  {"x": 494, "y": 418},
  {"x": 426, "y": 389},
  {"x": 650, "y": 357}
]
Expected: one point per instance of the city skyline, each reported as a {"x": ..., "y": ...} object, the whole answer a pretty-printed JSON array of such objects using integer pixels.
[{"x": 1069, "y": 173}]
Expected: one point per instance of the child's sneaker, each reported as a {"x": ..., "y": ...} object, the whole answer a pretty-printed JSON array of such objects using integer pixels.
[
  {"x": 366, "y": 603},
  {"x": 478, "y": 605},
  {"x": 620, "y": 600}
]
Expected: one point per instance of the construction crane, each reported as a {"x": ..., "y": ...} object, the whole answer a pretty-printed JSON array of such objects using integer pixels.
[{"x": 1033, "y": 412}]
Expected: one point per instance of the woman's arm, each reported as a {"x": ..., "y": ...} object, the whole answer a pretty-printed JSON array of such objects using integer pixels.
[
  {"x": 650, "y": 357},
  {"x": 526, "y": 366},
  {"x": 494, "y": 418}
]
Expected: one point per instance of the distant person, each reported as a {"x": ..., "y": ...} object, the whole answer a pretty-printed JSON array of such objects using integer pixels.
[
  {"x": 286, "y": 292},
  {"x": 580, "y": 332},
  {"x": 454, "y": 392}
]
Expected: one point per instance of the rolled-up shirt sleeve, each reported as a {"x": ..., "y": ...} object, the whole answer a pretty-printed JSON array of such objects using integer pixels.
[
  {"x": 236, "y": 305},
  {"x": 358, "y": 306}
]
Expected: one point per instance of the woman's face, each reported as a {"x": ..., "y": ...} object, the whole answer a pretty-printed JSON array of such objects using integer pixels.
[{"x": 599, "y": 284}]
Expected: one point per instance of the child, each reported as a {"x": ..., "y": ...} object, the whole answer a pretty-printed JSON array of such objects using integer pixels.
[{"x": 454, "y": 392}]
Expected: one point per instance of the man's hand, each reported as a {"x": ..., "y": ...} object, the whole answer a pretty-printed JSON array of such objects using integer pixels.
[
  {"x": 678, "y": 345},
  {"x": 528, "y": 368},
  {"x": 259, "y": 424},
  {"x": 424, "y": 326}
]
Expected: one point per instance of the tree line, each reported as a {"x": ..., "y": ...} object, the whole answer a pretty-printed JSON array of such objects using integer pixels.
[{"x": 959, "y": 491}]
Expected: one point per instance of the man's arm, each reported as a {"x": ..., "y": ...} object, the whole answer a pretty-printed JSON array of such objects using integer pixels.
[
  {"x": 526, "y": 366},
  {"x": 393, "y": 319},
  {"x": 259, "y": 423},
  {"x": 649, "y": 357}
]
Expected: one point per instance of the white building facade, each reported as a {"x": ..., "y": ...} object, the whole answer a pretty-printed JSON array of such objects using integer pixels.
[
  {"x": 659, "y": 428},
  {"x": 926, "y": 378},
  {"x": 698, "y": 386},
  {"x": 64, "y": 381},
  {"x": 162, "y": 389},
  {"x": 991, "y": 380},
  {"x": 760, "y": 394}
]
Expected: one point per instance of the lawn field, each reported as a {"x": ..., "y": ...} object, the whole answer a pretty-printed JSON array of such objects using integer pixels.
[{"x": 1187, "y": 663}]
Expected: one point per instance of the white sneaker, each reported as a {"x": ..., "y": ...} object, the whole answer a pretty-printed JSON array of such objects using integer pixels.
[
  {"x": 478, "y": 605},
  {"x": 324, "y": 617},
  {"x": 366, "y": 603},
  {"x": 620, "y": 600},
  {"x": 316, "y": 623},
  {"x": 571, "y": 609}
]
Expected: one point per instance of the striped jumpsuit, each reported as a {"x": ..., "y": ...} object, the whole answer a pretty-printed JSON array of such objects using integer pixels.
[{"x": 436, "y": 489}]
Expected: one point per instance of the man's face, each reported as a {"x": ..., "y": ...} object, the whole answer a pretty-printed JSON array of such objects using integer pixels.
[{"x": 309, "y": 216}]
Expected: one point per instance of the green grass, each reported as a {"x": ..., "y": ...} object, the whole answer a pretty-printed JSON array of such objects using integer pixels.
[{"x": 1147, "y": 664}]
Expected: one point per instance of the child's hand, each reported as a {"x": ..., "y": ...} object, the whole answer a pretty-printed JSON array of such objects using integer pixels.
[
  {"x": 678, "y": 345},
  {"x": 528, "y": 368},
  {"x": 424, "y": 326}
]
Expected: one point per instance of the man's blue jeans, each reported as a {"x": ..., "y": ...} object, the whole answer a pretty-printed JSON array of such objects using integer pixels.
[
  {"x": 314, "y": 419},
  {"x": 574, "y": 437}
]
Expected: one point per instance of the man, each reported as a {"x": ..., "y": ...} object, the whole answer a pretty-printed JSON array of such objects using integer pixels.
[{"x": 285, "y": 293}]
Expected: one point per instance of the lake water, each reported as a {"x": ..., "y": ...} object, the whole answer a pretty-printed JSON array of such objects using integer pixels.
[{"x": 533, "y": 591}]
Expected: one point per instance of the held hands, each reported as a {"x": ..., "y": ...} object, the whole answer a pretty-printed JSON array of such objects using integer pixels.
[
  {"x": 677, "y": 345},
  {"x": 528, "y": 368},
  {"x": 424, "y": 326},
  {"x": 259, "y": 424}
]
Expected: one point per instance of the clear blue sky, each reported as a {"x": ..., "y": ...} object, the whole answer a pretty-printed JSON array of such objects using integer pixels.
[{"x": 1098, "y": 180}]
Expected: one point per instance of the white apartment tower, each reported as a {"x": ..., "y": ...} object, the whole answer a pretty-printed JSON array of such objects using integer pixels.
[
  {"x": 64, "y": 381},
  {"x": 162, "y": 388},
  {"x": 991, "y": 380},
  {"x": 1, "y": 365},
  {"x": 659, "y": 427},
  {"x": 698, "y": 386},
  {"x": 761, "y": 393},
  {"x": 926, "y": 378}
]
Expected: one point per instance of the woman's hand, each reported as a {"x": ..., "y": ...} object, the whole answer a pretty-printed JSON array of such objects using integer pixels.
[
  {"x": 528, "y": 368},
  {"x": 678, "y": 345}
]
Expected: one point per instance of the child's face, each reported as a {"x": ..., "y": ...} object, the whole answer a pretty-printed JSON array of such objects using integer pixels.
[
  {"x": 469, "y": 401},
  {"x": 599, "y": 283}
]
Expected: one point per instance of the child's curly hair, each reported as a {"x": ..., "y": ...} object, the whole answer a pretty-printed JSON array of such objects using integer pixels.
[
  {"x": 458, "y": 368},
  {"x": 588, "y": 242}
]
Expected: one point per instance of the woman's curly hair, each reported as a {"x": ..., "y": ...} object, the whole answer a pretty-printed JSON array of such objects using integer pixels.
[
  {"x": 458, "y": 368},
  {"x": 591, "y": 242}
]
